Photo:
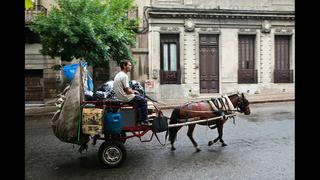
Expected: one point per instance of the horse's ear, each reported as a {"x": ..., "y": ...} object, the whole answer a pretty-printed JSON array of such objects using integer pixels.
[{"x": 242, "y": 95}]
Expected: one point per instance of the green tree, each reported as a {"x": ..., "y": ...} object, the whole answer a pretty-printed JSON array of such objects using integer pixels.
[
  {"x": 28, "y": 4},
  {"x": 92, "y": 30}
]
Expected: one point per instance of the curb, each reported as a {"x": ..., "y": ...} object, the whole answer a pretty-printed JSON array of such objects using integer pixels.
[
  {"x": 252, "y": 102},
  {"x": 49, "y": 111}
]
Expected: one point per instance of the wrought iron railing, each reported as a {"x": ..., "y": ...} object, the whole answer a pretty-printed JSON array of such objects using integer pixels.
[
  {"x": 283, "y": 76},
  {"x": 30, "y": 14},
  {"x": 170, "y": 77},
  {"x": 247, "y": 76}
]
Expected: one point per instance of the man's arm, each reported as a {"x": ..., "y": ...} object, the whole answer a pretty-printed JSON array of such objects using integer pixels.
[{"x": 129, "y": 90}]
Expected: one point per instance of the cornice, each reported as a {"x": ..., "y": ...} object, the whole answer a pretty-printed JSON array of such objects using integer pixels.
[{"x": 157, "y": 12}]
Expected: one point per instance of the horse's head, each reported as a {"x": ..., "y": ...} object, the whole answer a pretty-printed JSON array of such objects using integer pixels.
[
  {"x": 239, "y": 101},
  {"x": 243, "y": 105}
]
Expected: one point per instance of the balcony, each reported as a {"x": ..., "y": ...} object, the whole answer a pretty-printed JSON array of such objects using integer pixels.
[{"x": 30, "y": 14}]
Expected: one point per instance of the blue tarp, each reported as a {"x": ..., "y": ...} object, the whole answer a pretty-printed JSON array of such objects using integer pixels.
[{"x": 69, "y": 71}]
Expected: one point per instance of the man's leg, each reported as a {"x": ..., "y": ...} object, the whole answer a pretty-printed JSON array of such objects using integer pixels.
[{"x": 142, "y": 107}]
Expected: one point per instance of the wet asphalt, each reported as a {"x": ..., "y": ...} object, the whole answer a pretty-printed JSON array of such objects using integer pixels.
[{"x": 260, "y": 146}]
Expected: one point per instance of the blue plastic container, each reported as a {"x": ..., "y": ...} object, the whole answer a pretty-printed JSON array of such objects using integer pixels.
[{"x": 112, "y": 123}]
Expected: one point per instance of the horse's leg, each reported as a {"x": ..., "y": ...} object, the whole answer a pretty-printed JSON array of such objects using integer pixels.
[
  {"x": 190, "y": 132},
  {"x": 172, "y": 136},
  {"x": 220, "y": 133},
  {"x": 214, "y": 141}
]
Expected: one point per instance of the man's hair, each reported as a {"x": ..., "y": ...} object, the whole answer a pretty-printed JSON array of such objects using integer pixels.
[{"x": 123, "y": 63}]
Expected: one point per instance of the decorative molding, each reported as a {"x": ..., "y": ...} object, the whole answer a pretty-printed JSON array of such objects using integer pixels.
[
  {"x": 167, "y": 2},
  {"x": 207, "y": 30},
  {"x": 247, "y": 31},
  {"x": 162, "y": 12},
  {"x": 189, "y": 25},
  {"x": 266, "y": 27},
  {"x": 140, "y": 50},
  {"x": 283, "y": 31},
  {"x": 169, "y": 29}
]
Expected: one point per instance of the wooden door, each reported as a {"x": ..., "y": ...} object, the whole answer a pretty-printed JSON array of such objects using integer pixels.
[
  {"x": 33, "y": 85},
  {"x": 209, "y": 64}
]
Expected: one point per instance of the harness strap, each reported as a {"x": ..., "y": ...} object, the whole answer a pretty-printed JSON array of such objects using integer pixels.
[
  {"x": 214, "y": 108},
  {"x": 229, "y": 102},
  {"x": 223, "y": 106},
  {"x": 216, "y": 103},
  {"x": 165, "y": 141}
]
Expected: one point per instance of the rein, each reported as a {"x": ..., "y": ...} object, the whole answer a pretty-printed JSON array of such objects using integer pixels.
[{"x": 237, "y": 110}]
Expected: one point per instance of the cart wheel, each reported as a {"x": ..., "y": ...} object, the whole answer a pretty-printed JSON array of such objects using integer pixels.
[{"x": 112, "y": 153}]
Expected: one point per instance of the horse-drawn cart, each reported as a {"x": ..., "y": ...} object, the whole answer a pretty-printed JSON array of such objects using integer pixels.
[
  {"x": 112, "y": 152},
  {"x": 114, "y": 121}
]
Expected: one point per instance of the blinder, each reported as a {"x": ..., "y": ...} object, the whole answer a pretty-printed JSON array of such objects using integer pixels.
[{"x": 242, "y": 103}]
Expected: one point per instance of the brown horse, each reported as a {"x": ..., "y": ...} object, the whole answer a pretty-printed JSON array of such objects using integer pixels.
[{"x": 204, "y": 110}]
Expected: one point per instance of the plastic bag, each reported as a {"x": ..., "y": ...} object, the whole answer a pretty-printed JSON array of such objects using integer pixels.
[{"x": 69, "y": 70}]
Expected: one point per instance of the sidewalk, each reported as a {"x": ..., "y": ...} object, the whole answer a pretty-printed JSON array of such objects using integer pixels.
[{"x": 41, "y": 110}]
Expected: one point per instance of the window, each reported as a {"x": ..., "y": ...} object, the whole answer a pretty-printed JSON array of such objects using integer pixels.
[
  {"x": 31, "y": 37},
  {"x": 282, "y": 72},
  {"x": 170, "y": 66},
  {"x": 247, "y": 72}
]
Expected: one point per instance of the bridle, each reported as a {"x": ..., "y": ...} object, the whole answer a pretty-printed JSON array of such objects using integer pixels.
[{"x": 242, "y": 103}]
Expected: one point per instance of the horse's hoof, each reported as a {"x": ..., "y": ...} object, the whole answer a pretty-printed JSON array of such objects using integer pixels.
[
  {"x": 210, "y": 143},
  {"x": 198, "y": 150},
  {"x": 172, "y": 148},
  {"x": 224, "y": 144}
]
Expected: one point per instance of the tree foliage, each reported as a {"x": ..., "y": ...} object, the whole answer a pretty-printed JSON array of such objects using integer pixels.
[
  {"x": 28, "y": 4},
  {"x": 92, "y": 30}
]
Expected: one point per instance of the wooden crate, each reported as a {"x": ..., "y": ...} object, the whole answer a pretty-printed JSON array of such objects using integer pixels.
[{"x": 92, "y": 121}]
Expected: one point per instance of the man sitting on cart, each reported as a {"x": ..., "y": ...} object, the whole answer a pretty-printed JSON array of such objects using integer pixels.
[{"x": 126, "y": 94}]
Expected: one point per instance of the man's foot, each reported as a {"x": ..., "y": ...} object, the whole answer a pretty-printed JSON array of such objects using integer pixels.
[
  {"x": 145, "y": 123},
  {"x": 94, "y": 139}
]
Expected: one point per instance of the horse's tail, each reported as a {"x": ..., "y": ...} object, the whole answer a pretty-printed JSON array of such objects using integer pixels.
[{"x": 173, "y": 120}]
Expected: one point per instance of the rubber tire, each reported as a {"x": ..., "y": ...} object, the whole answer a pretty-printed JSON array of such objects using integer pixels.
[{"x": 112, "y": 145}]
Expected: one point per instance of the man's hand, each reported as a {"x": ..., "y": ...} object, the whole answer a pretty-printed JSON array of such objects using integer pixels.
[{"x": 131, "y": 91}]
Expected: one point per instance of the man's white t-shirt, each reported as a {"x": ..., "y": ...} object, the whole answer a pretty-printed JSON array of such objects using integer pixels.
[{"x": 121, "y": 81}]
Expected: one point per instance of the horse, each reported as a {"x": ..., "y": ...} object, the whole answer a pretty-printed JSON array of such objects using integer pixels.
[{"x": 204, "y": 110}]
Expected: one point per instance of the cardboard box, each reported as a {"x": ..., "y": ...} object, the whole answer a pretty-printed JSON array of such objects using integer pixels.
[{"x": 92, "y": 121}]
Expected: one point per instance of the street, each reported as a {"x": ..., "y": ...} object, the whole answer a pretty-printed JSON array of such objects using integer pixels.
[{"x": 260, "y": 146}]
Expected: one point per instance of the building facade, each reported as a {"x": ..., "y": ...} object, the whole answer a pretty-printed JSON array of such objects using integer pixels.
[
  {"x": 194, "y": 49},
  {"x": 201, "y": 48},
  {"x": 42, "y": 83}
]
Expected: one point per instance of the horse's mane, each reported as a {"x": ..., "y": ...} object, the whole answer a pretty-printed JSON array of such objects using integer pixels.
[{"x": 235, "y": 94}]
